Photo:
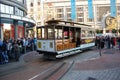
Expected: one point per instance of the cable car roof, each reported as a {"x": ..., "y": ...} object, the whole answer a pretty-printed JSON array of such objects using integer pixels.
[{"x": 65, "y": 22}]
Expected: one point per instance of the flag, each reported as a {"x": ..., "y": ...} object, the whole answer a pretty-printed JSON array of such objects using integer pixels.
[
  {"x": 73, "y": 11},
  {"x": 113, "y": 8},
  {"x": 90, "y": 9}
]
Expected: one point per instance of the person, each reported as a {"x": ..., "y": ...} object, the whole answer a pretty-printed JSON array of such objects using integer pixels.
[
  {"x": 78, "y": 42},
  {"x": 4, "y": 51},
  {"x": 16, "y": 50},
  {"x": 118, "y": 42},
  {"x": 97, "y": 41},
  {"x": 108, "y": 40},
  {"x": 113, "y": 42},
  {"x": 35, "y": 43},
  {"x": 9, "y": 47},
  {"x": 102, "y": 42},
  {"x": 1, "y": 57}
]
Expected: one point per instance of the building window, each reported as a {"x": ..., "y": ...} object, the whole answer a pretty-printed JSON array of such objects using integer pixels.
[
  {"x": 11, "y": 10},
  {"x": 59, "y": 10},
  {"x": 79, "y": 19},
  {"x": 90, "y": 20},
  {"x": 118, "y": 7},
  {"x": 69, "y": 15},
  {"x": 69, "y": 20},
  {"x": 38, "y": 3},
  {"x": 59, "y": 15},
  {"x": 6, "y": 9},
  {"x": 80, "y": 15},
  {"x": 80, "y": 9},
  {"x": 31, "y": 4},
  {"x": 2, "y": 6},
  {"x": 19, "y": 12},
  {"x": 68, "y": 9}
]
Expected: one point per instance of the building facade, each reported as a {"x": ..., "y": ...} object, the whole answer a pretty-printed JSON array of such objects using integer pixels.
[
  {"x": 42, "y": 10},
  {"x": 13, "y": 20}
]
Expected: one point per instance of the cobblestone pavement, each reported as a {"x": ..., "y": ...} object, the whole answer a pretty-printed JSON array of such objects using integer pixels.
[
  {"x": 106, "y": 67},
  {"x": 108, "y": 74}
]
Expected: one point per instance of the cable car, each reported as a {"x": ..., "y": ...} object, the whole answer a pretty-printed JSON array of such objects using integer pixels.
[{"x": 57, "y": 38}]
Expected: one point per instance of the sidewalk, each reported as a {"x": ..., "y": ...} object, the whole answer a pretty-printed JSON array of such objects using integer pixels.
[
  {"x": 23, "y": 58},
  {"x": 106, "y": 67}
]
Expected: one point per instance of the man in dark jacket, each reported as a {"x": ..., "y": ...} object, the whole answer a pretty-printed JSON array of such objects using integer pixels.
[
  {"x": 4, "y": 51},
  {"x": 1, "y": 57},
  {"x": 119, "y": 42}
]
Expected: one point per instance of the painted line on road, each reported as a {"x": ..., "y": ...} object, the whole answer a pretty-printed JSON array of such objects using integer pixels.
[{"x": 39, "y": 74}]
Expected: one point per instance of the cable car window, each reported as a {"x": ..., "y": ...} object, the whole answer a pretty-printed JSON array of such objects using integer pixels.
[
  {"x": 71, "y": 34},
  {"x": 50, "y": 33},
  {"x": 83, "y": 33},
  {"x": 43, "y": 33},
  {"x": 65, "y": 34},
  {"x": 89, "y": 34},
  {"x": 93, "y": 34},
  {"x": 58, "y": 33},
  {"x": 86, "y": 34},
  {"x": 39, "y": 33}
]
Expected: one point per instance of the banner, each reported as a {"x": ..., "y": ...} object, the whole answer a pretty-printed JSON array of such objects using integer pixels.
[
  {"x": 90, "y": 9},
  {"x": 113, "y": 8},
  {"x": 73, "y": 11}
]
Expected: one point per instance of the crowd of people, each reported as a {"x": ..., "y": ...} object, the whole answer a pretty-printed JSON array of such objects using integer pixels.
[
  {"x": 107, "y": 41},
  {"x": 12, "y": 49}
]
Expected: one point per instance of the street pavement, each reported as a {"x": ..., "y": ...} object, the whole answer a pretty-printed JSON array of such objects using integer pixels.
[{"x": 105, "y": 67}]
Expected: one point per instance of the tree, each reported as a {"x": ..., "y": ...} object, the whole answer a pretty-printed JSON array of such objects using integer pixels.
[
  {"x": 97, "y": 31},
  {"x": 114, "y": 30}
]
